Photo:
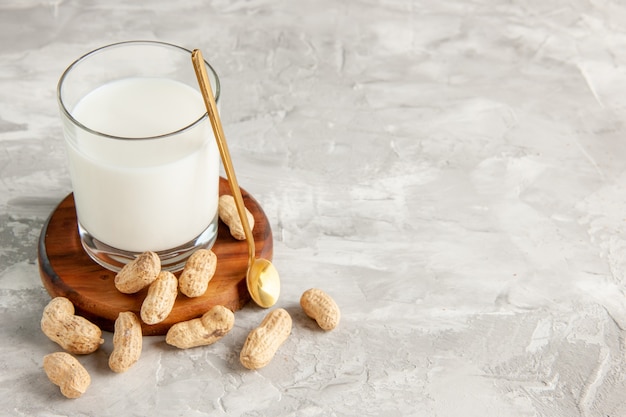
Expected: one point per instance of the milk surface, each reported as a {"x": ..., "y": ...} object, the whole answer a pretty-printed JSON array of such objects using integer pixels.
[{"x": 142, "y": 194}]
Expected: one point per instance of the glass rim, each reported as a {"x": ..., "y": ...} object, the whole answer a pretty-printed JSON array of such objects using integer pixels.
[{"x": 189, "y": 126}]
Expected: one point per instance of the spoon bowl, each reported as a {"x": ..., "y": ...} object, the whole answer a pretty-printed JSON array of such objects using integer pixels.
[{"x": 263, "y": 282}]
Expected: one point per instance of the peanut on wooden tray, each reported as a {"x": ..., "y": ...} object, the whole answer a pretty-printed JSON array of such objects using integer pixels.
[{"x": 78, "y": 336}]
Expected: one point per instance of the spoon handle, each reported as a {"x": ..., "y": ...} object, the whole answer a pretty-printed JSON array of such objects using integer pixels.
[{"x": 218, "y": 131}]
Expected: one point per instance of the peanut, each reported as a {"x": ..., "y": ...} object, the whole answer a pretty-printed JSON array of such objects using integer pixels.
[
  {"x": 73, "y": 333},
  {"x": 263, "y": 342},
  {"x": 206, "y": 330},
  {"x": 320, "y": 307},
  {"x": 227, "y": 210},
  {"x": 198, "y": 271},
  {"x": 65, "y": 371},
  {"x": 139, "y": 273},
  {"x": 160, "y": 299},
  {"x": 127, "y": 339}
]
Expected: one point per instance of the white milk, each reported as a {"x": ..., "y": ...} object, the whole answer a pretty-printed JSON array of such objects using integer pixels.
[{"x": 144, "y": 194}]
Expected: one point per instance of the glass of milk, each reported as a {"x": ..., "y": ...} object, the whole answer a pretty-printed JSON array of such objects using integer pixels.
[{"x": 143, "y": 161}]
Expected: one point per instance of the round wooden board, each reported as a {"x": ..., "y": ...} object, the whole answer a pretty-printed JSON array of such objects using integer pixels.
[{"x": 67, "y": 271}]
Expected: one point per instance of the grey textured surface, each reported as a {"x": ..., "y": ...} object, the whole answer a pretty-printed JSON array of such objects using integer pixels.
[{"x": 451, "y": 172}]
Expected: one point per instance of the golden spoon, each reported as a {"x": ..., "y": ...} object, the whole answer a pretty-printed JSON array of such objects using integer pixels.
[{"x": 261, "y": 278}]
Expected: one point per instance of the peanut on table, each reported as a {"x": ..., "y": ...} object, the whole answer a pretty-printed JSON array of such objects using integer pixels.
[
  {"x": 73, "y": 333},
  {"x": 65, "y": 371},
  {"x": 320, "y": 307},
  {"x": 263, "y": 342},
  {"x": 206, "y": 330},
  {"x": 127, "y": 342}
]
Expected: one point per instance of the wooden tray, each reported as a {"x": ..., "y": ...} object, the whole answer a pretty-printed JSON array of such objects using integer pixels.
[{"x": 67, "y": 271}]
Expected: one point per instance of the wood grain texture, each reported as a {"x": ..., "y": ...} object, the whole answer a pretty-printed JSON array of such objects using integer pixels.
[{"x": 66, "y": 270}]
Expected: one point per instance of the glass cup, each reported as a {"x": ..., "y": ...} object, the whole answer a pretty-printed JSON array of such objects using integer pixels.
[{"x": 143, "y": 160}]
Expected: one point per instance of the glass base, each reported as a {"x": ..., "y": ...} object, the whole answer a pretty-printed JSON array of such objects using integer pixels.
[{"x": 172, "y": 260}]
